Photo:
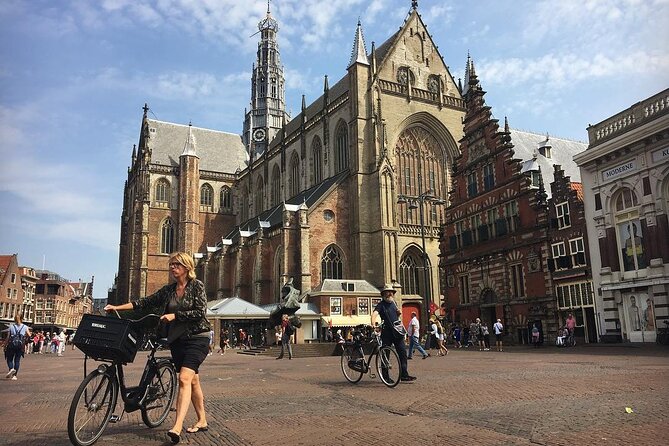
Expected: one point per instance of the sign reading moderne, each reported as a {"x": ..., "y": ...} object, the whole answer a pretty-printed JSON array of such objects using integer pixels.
[
  {"x": 619, "y": 170},
  {"x": 661, "y": 155}
]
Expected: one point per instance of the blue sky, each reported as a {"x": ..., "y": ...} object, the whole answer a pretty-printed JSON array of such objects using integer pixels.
[{"x": 75, "y": 74}]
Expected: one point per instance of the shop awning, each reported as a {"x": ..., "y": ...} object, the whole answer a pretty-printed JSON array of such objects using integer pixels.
[{"x": 345, "y": 321}]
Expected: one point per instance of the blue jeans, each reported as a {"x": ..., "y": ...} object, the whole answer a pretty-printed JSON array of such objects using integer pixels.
[
  {"x": 415, "y": 343},
  {"x": 285, "y": 343},
  {"x": 14, "y": 360}
]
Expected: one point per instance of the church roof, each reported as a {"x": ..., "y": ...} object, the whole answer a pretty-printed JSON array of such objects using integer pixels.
[
  {"x": 218, "y": 151},
  {"x": 342, "y": 285},
  {"x": 525, "y": 146},
  {"x": 274, "y": 215}
]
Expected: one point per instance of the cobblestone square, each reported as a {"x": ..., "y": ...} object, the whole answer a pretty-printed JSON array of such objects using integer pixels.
[{"x": 519, "y": 397}]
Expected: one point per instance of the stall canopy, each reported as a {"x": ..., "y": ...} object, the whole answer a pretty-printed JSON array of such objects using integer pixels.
[
  {"x": 346, "y": 321},
  {"x": 235, "y": 308}
]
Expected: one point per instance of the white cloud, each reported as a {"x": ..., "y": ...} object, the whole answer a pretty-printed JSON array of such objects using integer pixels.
[{"x": 557, "y": 70}]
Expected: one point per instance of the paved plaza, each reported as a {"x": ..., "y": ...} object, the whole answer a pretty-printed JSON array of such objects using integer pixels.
[{"x": 519, "y": 397}]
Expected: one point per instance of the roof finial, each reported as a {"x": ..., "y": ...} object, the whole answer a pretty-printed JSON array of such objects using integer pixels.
[
  {"x": 268, "y": 7},
  {"x": 359, "y": 53},
  {"x": 414, "y": 4}
]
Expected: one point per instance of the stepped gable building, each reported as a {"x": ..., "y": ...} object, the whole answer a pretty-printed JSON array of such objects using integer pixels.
[
  {"x": 569, "y": 256},
  {"x": 625, "y": 173},
  {"x": 308, "y": 198},
  {"x": 495, "y": 240}
]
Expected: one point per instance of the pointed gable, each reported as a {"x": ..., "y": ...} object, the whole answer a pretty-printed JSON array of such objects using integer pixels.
[{"x": 411, "y": 50}]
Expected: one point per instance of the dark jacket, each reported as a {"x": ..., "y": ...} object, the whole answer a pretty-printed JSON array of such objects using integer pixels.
[{"x": 192, "y": 306}]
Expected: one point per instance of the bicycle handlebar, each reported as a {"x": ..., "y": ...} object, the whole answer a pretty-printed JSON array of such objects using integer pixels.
[{"x": 141, "y": 319}]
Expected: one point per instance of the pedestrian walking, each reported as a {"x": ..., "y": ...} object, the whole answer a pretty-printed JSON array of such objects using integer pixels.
[
  {"x": 185, "y": 307},
  {"x": 224, "y": 342},
  {"x": 486, "y": 336},
  {"x": 286, "y": 333},
  {"x": 535, "y": 335},
  {"x": 211, "y": 342},
  {"x": 15, "y": 346},
  {"x": 61, "y": 343},
  {"x": 414, "y": 340},
  {"x": 457, "y": 333},
  {"x": 443, "y": 351},
  {"x": 474, "y": 333},
  {"x": 499, "y": 331},
  {"x": 393, "y": 331}
]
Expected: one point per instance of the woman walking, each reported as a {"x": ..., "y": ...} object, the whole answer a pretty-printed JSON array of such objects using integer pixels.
[
  {"x": 443, "y": 351},
  {"x": 15, "y": 347},
  {"x": 185, "y": 307}
]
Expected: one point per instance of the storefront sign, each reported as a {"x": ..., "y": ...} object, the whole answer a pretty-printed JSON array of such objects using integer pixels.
[
  {"x": 661, "y": 155},
  {"x": 619, "y": 170}
]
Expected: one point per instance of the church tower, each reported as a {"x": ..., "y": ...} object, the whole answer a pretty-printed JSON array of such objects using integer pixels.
[{"x": 268, "y": 104}]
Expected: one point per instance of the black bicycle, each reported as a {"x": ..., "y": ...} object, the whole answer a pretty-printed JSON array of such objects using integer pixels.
[
  {"x": 662, "y": 336},
  {"x": 384, "y": 357},
  {"x": 93, "y": 405}
]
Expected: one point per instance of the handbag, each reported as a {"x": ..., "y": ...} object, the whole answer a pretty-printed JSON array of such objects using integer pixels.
[{"x": 398, "y": 329}]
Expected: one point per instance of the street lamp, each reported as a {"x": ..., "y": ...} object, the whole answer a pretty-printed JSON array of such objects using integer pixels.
[{"x": 417, "y": 202}]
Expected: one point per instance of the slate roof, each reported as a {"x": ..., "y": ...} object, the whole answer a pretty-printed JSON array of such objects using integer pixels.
[
  {"x": 525, "y": 145},
  {"x": 218, "y": 151},
  {"x": 274, "y": 215},
  {"x": 337, "y": 286}
]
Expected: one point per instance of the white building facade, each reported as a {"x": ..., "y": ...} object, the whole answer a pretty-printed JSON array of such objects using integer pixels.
[{"x": 625, "y": 174}]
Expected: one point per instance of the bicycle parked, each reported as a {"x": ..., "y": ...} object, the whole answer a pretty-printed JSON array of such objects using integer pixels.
[
  {"x": 662, "y": 336},
  {"x": 93, "y": 405},
  {"x": 384, "y": 357}
]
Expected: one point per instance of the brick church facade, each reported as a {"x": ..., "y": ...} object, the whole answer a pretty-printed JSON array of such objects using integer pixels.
[{"x": 308, "y": 198}]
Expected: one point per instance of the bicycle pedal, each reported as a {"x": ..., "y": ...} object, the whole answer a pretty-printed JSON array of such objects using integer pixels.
[{"x": 114, "y": 418}]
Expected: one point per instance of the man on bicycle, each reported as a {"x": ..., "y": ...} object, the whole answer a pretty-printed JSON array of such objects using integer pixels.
[{"x": 391, "y": 333}]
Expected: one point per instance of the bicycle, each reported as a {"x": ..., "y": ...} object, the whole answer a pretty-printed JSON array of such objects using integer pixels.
[
  {"x": 662, "y": 336},
  {"x": 95, "y": 399},
  {"x": 353, "y": 362}
]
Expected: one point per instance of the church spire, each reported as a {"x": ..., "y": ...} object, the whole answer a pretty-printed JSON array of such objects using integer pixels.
[
  {"x": 189, "y": 147},
  {"x": 268, "y": 107},
  {"x": 359, "y": 52}
]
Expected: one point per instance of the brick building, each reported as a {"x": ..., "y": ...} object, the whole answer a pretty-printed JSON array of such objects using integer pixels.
[
  {"x": 569, "y": 256},
  {"x": 495, "y": 240},
  {"x": 308, "y": 198},
  {"x": 60, "y": 304},
  {"x": 11, "y": 292},
  {"x": 625, "y": 175}
]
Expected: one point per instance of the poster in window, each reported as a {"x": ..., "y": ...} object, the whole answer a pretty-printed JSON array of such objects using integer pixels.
[
  {"x": 335, "y": 305},
  {"x": 632, "y": 245},
  {"x": 640, "y": 312},
  {"x": 363, "y": 306}
]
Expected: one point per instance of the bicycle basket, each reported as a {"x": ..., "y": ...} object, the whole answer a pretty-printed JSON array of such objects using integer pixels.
[{"x": 108, "y": 338}]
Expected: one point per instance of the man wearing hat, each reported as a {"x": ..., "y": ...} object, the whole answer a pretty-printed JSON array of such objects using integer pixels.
[{"x": 389, "y": 313}]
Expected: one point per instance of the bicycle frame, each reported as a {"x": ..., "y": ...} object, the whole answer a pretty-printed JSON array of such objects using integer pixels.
[
  {"x": 375, "y": 351},
  {"x": 133, "y": 396}
]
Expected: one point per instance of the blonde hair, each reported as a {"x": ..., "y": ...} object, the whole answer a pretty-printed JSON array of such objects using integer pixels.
[{"x": 186, "y": 260}]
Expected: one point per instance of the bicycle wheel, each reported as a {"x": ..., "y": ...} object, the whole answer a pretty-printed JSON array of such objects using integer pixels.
[
  {"x": 388, "y": 366},
  {"x": 160, "y": 395},
  {"x": 91, "y": 408},
  {"x": 351, "y": 356}
]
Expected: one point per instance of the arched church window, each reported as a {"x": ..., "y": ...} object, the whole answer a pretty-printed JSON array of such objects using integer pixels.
[
  {"x": 276, "y": 186},
  {"x": 409, "y": 278},
  {"x": 163, "y": 192},
  {"x": 632, "y": 247},
  {"x": 317, "y": 157},
  {"x": 341, "y": 148},
  {"x": 260, "y": 190},
  {"x": 226, "y": 199},
  {"x": 244, "y": 205},
  {"x": 405, "y": 75},
  {"x": 294, "y": 178},
  {"x": 167, "y": 237},
  {"x": 332, "y": 265},
  {"x": 206, "y": 195}
]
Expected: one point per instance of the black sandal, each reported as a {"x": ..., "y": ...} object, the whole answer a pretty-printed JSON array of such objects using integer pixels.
[{"x": 176, "y": 438}]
